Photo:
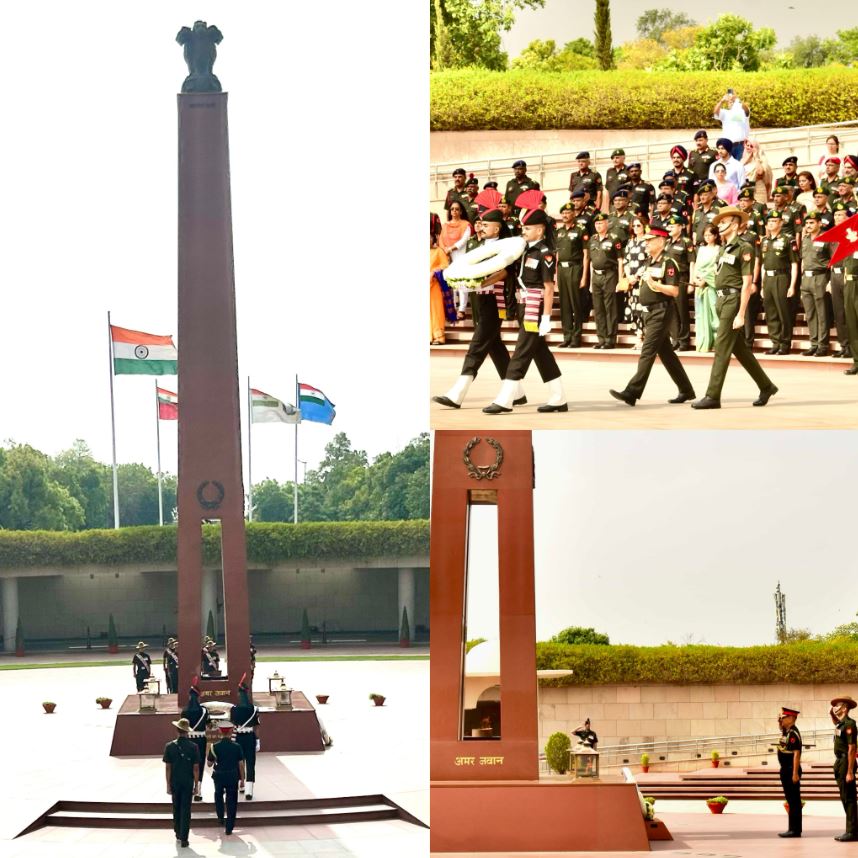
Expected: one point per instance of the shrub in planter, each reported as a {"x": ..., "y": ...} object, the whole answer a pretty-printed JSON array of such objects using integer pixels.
[
  {"x": 112, "y": 638},
  {"x": 404, "y": 629},
  {"x": 645, "y": 762},
  {"x": 716, "y": 759},
  {"x": 557, "y": 752},
  {"x": 378, "y": 699},
  {"x": 104, "y": 702},
  {"x": 305, "y": 631},
  {"x": 717, "y": 804},
  {"x": 49, "y": 707}
]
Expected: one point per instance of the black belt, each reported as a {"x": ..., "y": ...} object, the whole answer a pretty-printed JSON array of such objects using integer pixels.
[
  {"x": 727, "y": 290},
  {"x": 647, "y": 307}
]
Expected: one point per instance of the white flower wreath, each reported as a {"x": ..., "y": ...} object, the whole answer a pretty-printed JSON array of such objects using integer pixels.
[{"x": 471, "y": 270}]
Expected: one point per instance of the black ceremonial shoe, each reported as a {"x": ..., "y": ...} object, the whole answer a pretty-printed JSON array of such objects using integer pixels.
[
  {"x": 494, "y": 408},
  {"x": 681, "y": 397},
  {"x": 773, "y": 351},
  {"x": 547, "y": 409},
  {"x": 790, "y": 834},
  {"x": 445, "y": 401},
  {"x": 809, "y": 352},
  {"x": 765, "y": 395},
  {"x": 706, "y": 403},
  {"x": 623, "y": 396},
  {"x": 522, "y": 400},
  {"x": 846, "y": 838},
  {"x": 783, "y": 350},
  {"x": 853, "y": 370}
]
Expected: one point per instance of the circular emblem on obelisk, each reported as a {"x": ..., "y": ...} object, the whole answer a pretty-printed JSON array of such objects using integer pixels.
[
  {"x": 212, "y": 498},
  {"x": 141, "y": 352},
  {"x": 483, "y": 472}
]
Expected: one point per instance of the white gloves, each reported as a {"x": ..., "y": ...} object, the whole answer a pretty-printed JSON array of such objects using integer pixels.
[
  {"x": 258, "y": 746},
  {"x": 544, "y": 325}
]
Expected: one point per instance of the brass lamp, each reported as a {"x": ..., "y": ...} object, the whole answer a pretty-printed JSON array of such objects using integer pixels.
[{"x": 585, "y": 762}]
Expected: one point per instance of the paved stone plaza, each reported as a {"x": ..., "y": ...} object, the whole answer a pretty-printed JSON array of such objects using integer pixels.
[{"x": 66, "y": 756}]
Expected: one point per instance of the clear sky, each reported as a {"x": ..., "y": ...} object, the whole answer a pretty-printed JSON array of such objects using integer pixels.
[
  {"x": 683, "y": 536},
  {"x": 329, "y": 284},
  {"x": 564, "y": 20}
]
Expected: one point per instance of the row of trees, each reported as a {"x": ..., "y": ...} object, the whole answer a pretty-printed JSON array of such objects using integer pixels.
[
  {"x": 468, "y": 33},
  {"x": 72, "y": 491}
]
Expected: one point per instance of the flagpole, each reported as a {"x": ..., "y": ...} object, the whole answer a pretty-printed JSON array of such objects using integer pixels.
[
  {"x": 158, "y": 439},
  {"x": 295, "y": 494},
  {"x": 249, "y": 452},
  {"x": 113, "y": 427}
]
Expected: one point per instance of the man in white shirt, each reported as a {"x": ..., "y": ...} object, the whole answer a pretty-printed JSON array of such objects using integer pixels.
[
  {"x": 735, "y": 170},
  {"x": 733, "y": 116}
]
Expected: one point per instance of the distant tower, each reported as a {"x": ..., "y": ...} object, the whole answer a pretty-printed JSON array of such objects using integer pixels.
[{"x": 780, "y": 615}]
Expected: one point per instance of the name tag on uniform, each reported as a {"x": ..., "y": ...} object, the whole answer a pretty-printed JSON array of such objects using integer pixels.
[
  {"x": 606, "y": 245},
  {"x": 729, "y": 258},
  {"x": 525, "y": 187},
  {"x": 819, "y": 244},
  {"x": 565, "y": 264},
  {"x": 778, "y": 244},
  {"x": 531, "y": 263},
  {"x": 655, "y": 271},
  {"x": 855, "y": 255}
]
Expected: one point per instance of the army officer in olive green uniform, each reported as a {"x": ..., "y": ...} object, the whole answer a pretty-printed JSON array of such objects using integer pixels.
[
  {"x": 661, "y": 281},
  {"x": 733, "y": 288},
  {"x": 779, "y": 276},
  {"x": 606, "y": 269},
  {"x": 815, "y": 256},
  {"x": 570, "y": 242},
  {"x": 845, "y": 736}
]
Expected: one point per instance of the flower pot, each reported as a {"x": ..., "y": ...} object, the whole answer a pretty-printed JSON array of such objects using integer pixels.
[
  {"x": 378, "y": 699},
  {"x": 104, "y": 704},
  {"x": 644, "y": 769},
  {"x": 322, "y": 698},
  {"x": 715, "y": 806},
  {"x": 716, "y": 763},
  {"x": 49, "y": 708},
  {"x": 305, "y": 644}
]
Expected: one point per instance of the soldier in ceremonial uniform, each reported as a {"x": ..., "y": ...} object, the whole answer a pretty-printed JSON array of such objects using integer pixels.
[
  {"x": 660, "y": 283},
  {"x": 679, "y": 250},
  {"x": 536, "y": 297},
  {"x": 708, "y": 205},
  {"x": 141, "y": 665},
  {"x": 850, "y": 301},
  {"x": 756, "y": 212},
  {"x": 245, "y": 717},
  {"x": 815, "y": 275},
  {"x": 831, "y": 179},
  {"x": 789, "y": 759},
  {"x": 582, "y": 214},
  {"x": 642, "y": 194},
  {"x": 846, "y": 194},
  {"x": 792, "y": 215},
  {"x": 850, "y": 166},
  {"x": 621, "y": 217},
  {"x": 252, "y": 658},
  {"x": 517, "y": 184},
  {"x": 183, "y": 769},
  {"x": 821, "y": 202},
  {"x": 209, "y": 659},
  {"x": 779, "y": 276},
  {"x": 472, "y": 188},
  {"x": 702, "y": 157},
  {"x": 735, "y": 268},
  {"x": 228, "y": 772},
  {"x": 486, "y": 341},
  {"x": 684, "y": 179},
  {"x": 457, "y": 193},
  {"x": 663, "y": 207},
  {"x": 618, "y": 175},
  {"x": 171, "y": 666},
  {"x": 589, "y": 179},
  {"x": 606, "y": 268},
  {"x": 573, "y": 265},
  {"x": 844, "y": 762},
  {"x": 790, "y": 176},
  {"x": 197, "y": 717}
]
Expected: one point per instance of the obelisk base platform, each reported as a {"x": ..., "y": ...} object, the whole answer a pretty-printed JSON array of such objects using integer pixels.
[
  {"x": 144, "y": 734},
  {"x": 536, "y": 816}
]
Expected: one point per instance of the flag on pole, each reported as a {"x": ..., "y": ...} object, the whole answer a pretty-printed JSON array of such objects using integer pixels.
[
  {"x": 168, "y": 405},
  {"x": 315, "y": 405},
  {"x": 137, "y": 353},
  {"x": 265, "y": 408}
]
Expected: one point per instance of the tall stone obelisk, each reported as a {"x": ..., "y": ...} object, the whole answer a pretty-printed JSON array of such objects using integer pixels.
[{"x": 210, "y": 482}]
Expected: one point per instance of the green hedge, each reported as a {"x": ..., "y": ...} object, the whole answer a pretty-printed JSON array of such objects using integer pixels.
[
  {"x": 804, "y": 662},
  {"x": 267, "y": 544},
  {"x": 475, "y": 99}
]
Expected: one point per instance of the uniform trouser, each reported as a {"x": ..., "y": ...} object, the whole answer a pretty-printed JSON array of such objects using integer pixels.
[
  {"x": 730, "y": 342},
  {"x": 200, "y": 742},
  {"x": 792, "y": 794},
  {"x": 173, "y": 680},
  {"x": 569, "y": 286},
  {"x": 847, "y": 795},
  {"x": 247, "y": 741},
  {"x": 226, "y": 787},
  {"x": 850, "y": 301},
  {"x": 778, "y": 311},
  {"x": 486, "y": 341},
  {"x": 751, "y": 313},
  {"x": 813, "y": 301},
  {"x": 657, "y": 323},
  {"x": 604, "y": 289},
  {"x": 140, "y": 678},
  {"x": 182, "y": 795},
  {"x": 475, "y": 308},
  {"x": 531, "y": 347},
  {"x": 839, "y": 308},
  {"x": 680, "y": 329}
]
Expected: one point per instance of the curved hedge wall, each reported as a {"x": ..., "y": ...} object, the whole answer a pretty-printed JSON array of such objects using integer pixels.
[
  {"x": 266, "y": 543},
  {"x": 809, "y": 661},
  {"x": 475, "y": 99}
]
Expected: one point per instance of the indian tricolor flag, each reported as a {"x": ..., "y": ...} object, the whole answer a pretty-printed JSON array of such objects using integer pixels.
[
  {"x": 265, "y": 408},
  {"x": 137, "y": 353},
  {"x": 168, "y": 405},
  {"x": 315, "y": 405}
]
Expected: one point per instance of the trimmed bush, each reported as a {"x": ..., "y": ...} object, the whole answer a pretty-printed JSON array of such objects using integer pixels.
[
  {"x": 476, "y": 99},
  {"x": 404, "y": 629},
  {"x": 801, "y": 663},
  {"x": 267, "y": 543},
  {"x": 112, "y": 637},
  {"x": 557, "y": 752},
  {"x": 305, "y": 630}
]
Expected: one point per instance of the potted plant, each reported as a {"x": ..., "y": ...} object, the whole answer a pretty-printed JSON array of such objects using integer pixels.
[
  {"x": 378, "y": 699},
  {"x": 322, "y": 698},
  {"x": 49, "y": 707},
  {"x": 645, "y": 762},
  {"x": 112, "y": 639},
  {"x": 104, "y": 702},
  {"x": 716, "y": 759},
  {"x": 19, "y": 639},
  {"x": 305, "y": 631},
  {"x": 716, "y": 804},
  {"x": 557, "y": 752},
  {"x": 404, "y": 629}
]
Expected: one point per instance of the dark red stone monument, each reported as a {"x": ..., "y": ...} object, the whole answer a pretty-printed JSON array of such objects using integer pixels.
[{"x": 486, "y": 794}]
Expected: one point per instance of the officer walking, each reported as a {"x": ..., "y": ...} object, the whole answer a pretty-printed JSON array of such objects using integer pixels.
[
  {"x": 245, "y": 717},
  {"x": 183, "y": 774},
  {"x": 660, "y": 282},
  {"x": 606, "y": 269},
  {"x": 679, "y": 249},
  {"x": 197, "y": 717},
  {"x": 815, "y": 256},
  {"x": 141, "y": 665},
  {"x": 844, "y": 762},
  {"x": 227, "y": 758},
  {"x": 789, "y": 759},
  {"x": 779, "y": 278},
  {"x": 573, "y": 260},
  {"x": 733, "y": 286}
]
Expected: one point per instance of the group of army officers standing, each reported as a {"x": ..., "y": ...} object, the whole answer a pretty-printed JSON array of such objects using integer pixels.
[{"x": 767, "y": 257}]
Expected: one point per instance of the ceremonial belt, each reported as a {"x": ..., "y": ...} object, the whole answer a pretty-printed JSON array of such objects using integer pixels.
[
  {"x": 769, "y": 272},
  {"x": 244, "y": 729},
  {"x": 726, "y": 290},
  {"x": 193, "y": 734}
]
